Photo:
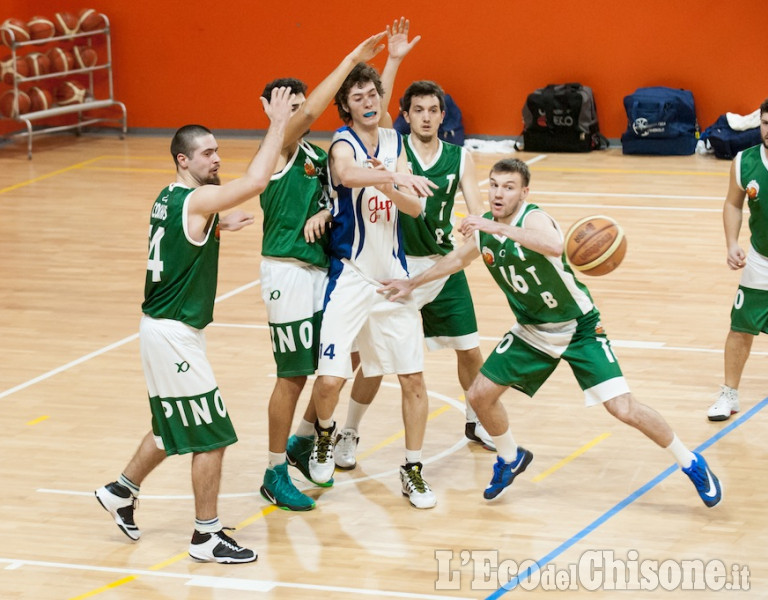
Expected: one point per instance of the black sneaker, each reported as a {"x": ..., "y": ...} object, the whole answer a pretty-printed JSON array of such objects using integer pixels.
[
  {"x": 218, "y": 547},
  {"x": 118, "y": 501}
]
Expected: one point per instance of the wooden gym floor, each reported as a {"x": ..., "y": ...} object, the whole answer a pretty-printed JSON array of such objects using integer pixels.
[{"x": 72, "y": 253}]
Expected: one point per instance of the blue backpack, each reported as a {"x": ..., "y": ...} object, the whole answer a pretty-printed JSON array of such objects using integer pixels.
[
  {"x": 452, "y": 128},
  {"x": 660, "y": 120},
  {"x": 727, "y": 142}
]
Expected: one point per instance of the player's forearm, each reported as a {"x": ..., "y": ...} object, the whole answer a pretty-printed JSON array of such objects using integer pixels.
[
  {"x": 732, "y": 218},
  {"x": 262, "y": 166}
]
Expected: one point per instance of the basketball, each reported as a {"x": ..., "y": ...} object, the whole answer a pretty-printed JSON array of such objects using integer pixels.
[
  {"x": 90, "y": 20},
  {"x": 8, "y": 72},
  {"x": 41, "y": 28},
  {"x": 70, "y": 92},
  {"x": 61, "y": 60},
  {"x": 85, "y": 56},
  {"x": 10, "y": 107},
  {"x": 40, "y": 99},
  {"x": 65, "y": 23},
  {"x": 13, "y": 31},
  {"x": 37, "y": 64},
  {"x": 595, "y": 245}
]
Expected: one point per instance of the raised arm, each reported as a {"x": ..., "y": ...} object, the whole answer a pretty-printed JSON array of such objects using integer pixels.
[
  {"x": 539, "y": 232},
  {"x": 733, "y": 211},
  {"x": 469, "y": 187},
  {"x": 398, "y": 47},
  {"x": 210, "y": 199},
  {"x": 319, "y": 99}
]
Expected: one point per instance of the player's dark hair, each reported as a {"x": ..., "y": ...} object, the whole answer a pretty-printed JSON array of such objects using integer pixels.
[
  {"x": 422, "y": 88},
  {"x": 764, "y": 107},
  {"x": 513, "y": 165},
  {"x": 297, "y": 86},
  {"x": 360, "y": 75},
  {"x": 183, "y": 141}
]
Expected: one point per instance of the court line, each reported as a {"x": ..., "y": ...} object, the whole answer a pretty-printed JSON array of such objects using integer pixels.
[
  {"x": 549, "y": 557},
  {"x": 22, "y": 184},
  {"x": 253, "y": 585},
  {"x": 571, "y": 456}
]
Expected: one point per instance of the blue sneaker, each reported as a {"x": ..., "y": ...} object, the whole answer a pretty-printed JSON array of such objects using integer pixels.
[
  {"x": 278, "y": 489},
  {"x": 298, "y": 450},
  {"x": 706, "y": 482},
  {"x": 504, "y": 473}
]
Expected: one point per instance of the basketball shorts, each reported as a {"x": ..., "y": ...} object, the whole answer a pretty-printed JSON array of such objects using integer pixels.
[
  {"x": 387, "y": 334},
  {"x": 528, "y": 354},
  {"x": 749, "y": 313},
  {"x": 293, "y": 293},
  {"x": 188, "y": 413},
  {"x": 447, "y": 311}
]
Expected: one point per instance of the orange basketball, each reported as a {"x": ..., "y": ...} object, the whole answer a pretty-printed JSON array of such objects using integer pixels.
[
  {"x": 85, "y": 56},
  {"x": 9, "y": 71},
  {"x": 38, "y": 64},
  {"x": 13, "y": 31},
  {"x": 61, "y": 60},
  {"x": 41, "y": 28},
  {"x": 595, "y": 245},
  {"x": 90, "y": 20},
  {"x": 41, "y": 99},
  {"x": 70, "y": 92},
  {"x": 65, "y": 23},
  {"x": 11, "y": 107}
]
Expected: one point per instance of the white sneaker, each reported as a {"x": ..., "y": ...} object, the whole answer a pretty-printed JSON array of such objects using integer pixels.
[
  {"x": 118, "y": 501},
  {"x": 727, "y": 403},
  {"x": 321, "y": 464},
  {"x": 475, "y": 431},
  {"x": 344, "y": 452},
  {"x": 418, "y": 491}
]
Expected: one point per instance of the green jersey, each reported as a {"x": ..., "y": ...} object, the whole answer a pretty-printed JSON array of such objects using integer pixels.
[
  {"x": 751, "y": 167},
  {"x": 181, "y": 273},
  {"x": 432, "y": 231},
  {"x": 293, "y": 195},
  {"x": 540, "y": 289}
]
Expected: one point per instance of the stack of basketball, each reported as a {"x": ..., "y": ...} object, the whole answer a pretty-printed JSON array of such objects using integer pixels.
[{"x": 43, "y": 47}]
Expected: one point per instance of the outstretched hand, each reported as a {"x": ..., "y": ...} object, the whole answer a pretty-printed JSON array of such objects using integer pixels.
[
  {"x": 368, "y": 48},
  {"x": 473, "y": 223},
  {"x": 235, "y": 220},
  {"x": 397, "y": 39},
  {"x": 395, "y": 289},
  {"x": 280, "y": 105}
]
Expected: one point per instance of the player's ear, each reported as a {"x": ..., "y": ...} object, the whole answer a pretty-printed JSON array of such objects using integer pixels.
[
  {"x": 524, "y": 193},
  {"x": 406, "y": 116}
]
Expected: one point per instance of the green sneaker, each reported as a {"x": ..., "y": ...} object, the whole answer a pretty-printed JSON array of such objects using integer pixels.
[
  {"x": 298, "y": 450},
  {"x": 280, "y": 491}
]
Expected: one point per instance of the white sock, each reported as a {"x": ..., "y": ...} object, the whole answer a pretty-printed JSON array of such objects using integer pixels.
[
  {"x": 471, "y": 414},
  {"x": 123, "y": 480},
  {"x": 506, "y": 447},
  {"x": 683, "y": 456},
  {"x": 325, "y": 423},
  {"x": 305, "y": 428},
  {"x": 276, "y": 458},
  {"x": 208, "y": 526},
  {"x": 355, "y": 413},
  {"x": 412, "y": 456}
]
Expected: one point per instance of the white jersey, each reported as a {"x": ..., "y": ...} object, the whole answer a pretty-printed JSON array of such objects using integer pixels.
[{"x": 366, "y": 233}]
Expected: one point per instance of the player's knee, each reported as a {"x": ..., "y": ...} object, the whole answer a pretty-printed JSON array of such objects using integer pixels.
[{"x": 623, "y": 408}]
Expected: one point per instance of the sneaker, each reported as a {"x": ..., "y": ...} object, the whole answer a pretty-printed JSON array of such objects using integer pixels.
[
  {"x": 504, "y": 473},
  {"x": 418, "y": 491},
  {"x": 298, "y": 450},
  {"x": 344, "y": 451},
  {"x": 727, "y": 404},
  {"x": 119, "y": 502},
  {"x": 218, "y": 547},
  {"x": 707, "y": 484},
  {"x": 475, "y": 431},
  {"x": 321, "y": 464},
  {"x": 280, "y": 491}
]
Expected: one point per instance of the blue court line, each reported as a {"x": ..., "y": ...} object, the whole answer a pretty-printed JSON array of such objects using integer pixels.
[{"x": 512, "y": 583}]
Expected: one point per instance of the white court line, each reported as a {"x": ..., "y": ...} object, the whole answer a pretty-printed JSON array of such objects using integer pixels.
[{"x": 252, "y": 585}]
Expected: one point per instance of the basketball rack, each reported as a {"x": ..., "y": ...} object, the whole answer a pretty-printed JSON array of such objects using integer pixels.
[{"x": 90, "y": 103}]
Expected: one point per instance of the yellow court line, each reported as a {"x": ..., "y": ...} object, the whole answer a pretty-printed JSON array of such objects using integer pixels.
[
  {"x": 106, "y": 588},
  {"x": 627, "y": 171},
  {"x": 393, "y": 438},
  {"x": 22, "y": 184},
  {"x": 38, "y": 420},
  {"x": 568, "y": 459}
]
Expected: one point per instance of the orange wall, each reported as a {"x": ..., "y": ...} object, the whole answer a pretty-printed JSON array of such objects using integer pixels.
[{"x": 207, "y": 62}]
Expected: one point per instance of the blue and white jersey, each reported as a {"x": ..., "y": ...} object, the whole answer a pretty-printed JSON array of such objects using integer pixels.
[{"x": 366, "y": 231}]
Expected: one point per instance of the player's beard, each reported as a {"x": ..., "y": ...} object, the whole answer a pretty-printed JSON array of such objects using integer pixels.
[{"x": 213, "y": 180}]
